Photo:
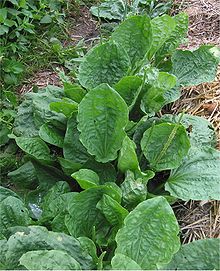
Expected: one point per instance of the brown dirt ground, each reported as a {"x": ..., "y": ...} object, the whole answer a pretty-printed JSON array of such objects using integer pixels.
[{"x": 200, "y": 219}]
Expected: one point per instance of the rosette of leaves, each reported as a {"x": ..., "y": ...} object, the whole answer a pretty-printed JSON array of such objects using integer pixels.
[{"x": 106, "y": 169}]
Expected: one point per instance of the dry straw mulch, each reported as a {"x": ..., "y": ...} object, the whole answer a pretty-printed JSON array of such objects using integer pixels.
[{"x": 200, "y": 219}]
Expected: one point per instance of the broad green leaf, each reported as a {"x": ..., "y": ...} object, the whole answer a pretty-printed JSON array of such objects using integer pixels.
[
  {"x": 86, "y": 178},
  {"x": 176, "y": 37},
  {"x": 51, "y": 135},
  {"x": 195, "y": 67},
  {"x": 35, "y": 147},
  {"x": 106, "y": 172},
  {"x": 165, "y": 145},
  {"x": 48, "y": 260},
  {"x": 12, "y": 213},
  {"x": 149, "y": 235},
  {"x": 102, "y": 117},
  {"x": 73, "y": 149},
  {"x": 54, "y": 202},
  {"x": 127, "y": 159},
  {"x": 74, "y": 91},
  {"x": 134, "y": 190},
  {"x": 84, "y": 215},
  {"x": 201, "y": 131},
  {"x": 123, "y": 262},
  {"x": 35, "y": 238},
  {"x": 128, "y": 88},
  {"x": 109, "y": 9},
  {"x": 162, "y": 27},
  {"x": 134, "y": 35},
  {"x": 4, "y": 131},
  {"x": 64, "y": 107},
  {"x": 154, "y": 99},
  {"x": 105, "y": 63},
  {"x": 24, "y": 176},
  {"x": 24, "y": 121},
  {"x": 4, "y": 193},
  {"x": 3, "y": 15},
  {"x": 89, "y": 246},
  {"x": 199, "y": 255},
  {"x": 69, "y": 166},
  {"x": 112, "y": 210},
  {"x": 198, "y": 177},
  {"x": 41, "y": 107}
]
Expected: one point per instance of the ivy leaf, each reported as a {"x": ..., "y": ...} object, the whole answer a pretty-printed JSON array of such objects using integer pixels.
[
  {"x": 105, "y": 63},
  {"x": 195, "y": 67},
  {"x": 149, "y": 235},
  {"x": 198, "y": 177},
  {"x": 165, "y": 145},
  {"x": 198, "y": 255},
  {"x": 134, "y": 35},
  {"x": 102, "y": 117}
]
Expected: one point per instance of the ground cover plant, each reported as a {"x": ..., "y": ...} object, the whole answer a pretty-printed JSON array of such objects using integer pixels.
[{"x": 101, "y": 170}]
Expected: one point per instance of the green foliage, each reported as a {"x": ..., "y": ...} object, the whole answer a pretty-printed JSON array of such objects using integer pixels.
[{"x": 99, "y": 169}]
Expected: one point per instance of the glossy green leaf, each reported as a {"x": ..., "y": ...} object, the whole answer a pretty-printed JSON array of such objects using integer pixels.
[
  {"x": 13, "y": 213},
  {"x": 69, "y": 166},
  {"x": 199, "y": 255},
  {"x": 86, "y": 178},
  {"x": 39, "y": 238},
  {"x": 24, "y": 121},
  {"x": 112, "y": 210},
  {"x": 4, "y": 193},
  {"x": 74, "y": 91},
  {"x": 162, "y": 27},
  {"x": 48, "y": 260},
  {"x": 35, "y": 147},
  {"x": 198, "y": 177},
  {"x": 195, "y": 67},
  {"x": 123, "y": 262},
  {"x": 102, "y": 117},
  {"x": 84, "y": 215},
  {"x": 165, "y": 145},
  {"x": 176, "y": 37},
  {"x": 201, "y": 132},
  {"x": 3, "y": 14},
  {"x": 51, "y": 135},
  {"x": 105, "y": 63},
  {"x": 154, "y": 99},
  {"x": 134, "y": 35},
  {"x": 73, "y": 149},
  {"x": 24, "y": 176},
  {"x": 127, "y": 159},
  {"x": 89, "y": 246},
  {"x": 66, "y": 108},
  {"x": 149, "y": 235},
  {"x": 128, "y": 88}
]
